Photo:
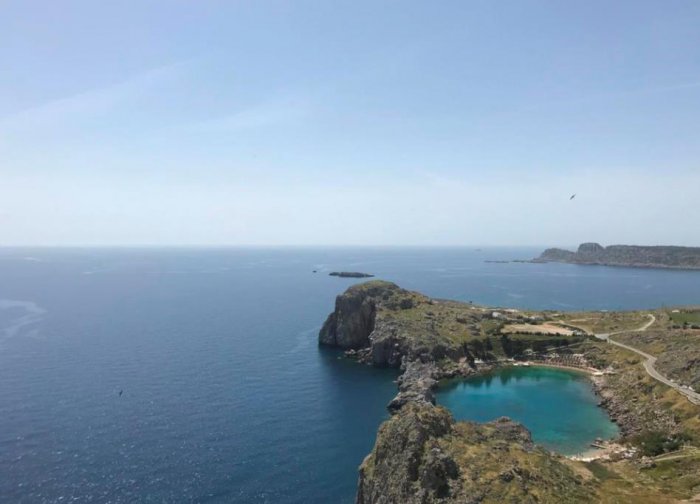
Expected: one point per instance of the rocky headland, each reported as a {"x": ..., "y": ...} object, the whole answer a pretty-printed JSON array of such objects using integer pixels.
[
  {"x": 423, "y": 455},
  {"x": 626, "y": 255}
]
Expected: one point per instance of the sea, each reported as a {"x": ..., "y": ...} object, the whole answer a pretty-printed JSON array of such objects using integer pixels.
[
  {"x": 194, "y": 375},
  {"x": 557, "y": 405}
]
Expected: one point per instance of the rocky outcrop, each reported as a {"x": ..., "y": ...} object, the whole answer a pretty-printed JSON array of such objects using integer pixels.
[
  {"x": 620, "y": 396},
  {"x": 407, "y": 455},
  {"x": 353, "y": 319},
  {"x": 423, "y": 456},
  {"x": 416, "y": 385},
  {"x": 683, "y": 365},
  {"x": 387, "y": 324},
  {"x": 627, "y": 255}
]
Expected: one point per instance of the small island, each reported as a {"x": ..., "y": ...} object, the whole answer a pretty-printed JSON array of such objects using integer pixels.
[
  {"x": 637, "y": 256},
  {"x": 642, "y": 364},
  {"x": 350, "y": 274}
]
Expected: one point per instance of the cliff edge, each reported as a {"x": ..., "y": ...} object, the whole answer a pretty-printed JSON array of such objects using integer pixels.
[{"x": 423, "y": 456}]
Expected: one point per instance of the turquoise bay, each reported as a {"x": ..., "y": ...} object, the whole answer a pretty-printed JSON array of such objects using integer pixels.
[{"x": 559, "y": 407}]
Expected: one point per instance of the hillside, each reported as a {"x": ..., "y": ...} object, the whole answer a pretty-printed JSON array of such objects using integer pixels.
[
  {"x": 626, "y": 255},
  {"x": 423, "y": 455}
]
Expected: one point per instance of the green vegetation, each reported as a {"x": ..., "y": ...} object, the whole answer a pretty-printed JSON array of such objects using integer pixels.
[
  {"x": 601, "y": 471},
  {"x": 655, "y": 443},
  {"x": 677, "y": 349},
  {"x": 422, "y": 455},
  {"x": 604, "y": 322},
  {"x": 686, "y": 317},
  {"x": 627, "y": 255}
]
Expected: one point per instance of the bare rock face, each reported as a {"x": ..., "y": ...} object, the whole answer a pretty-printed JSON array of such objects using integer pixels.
[
  {"x": 422, "y": 456},
  {"x": 590, "y": 249},
  {"x": 407, "y": 464},
  {"x": 352, "y": 321},
  {"x": 385, "y": 324},
  {"x": 416, "y": 385}
]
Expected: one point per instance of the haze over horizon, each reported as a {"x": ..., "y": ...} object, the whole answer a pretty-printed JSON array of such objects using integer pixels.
[{"x": 352, "y": 123}]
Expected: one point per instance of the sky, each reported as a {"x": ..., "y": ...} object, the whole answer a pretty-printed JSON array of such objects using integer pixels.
[{"x": 469, "y": 122}]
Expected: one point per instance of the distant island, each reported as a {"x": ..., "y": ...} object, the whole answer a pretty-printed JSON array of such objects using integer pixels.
[
  {"x": 626, "y": 255},
  {"x": 350, "y": 274}
]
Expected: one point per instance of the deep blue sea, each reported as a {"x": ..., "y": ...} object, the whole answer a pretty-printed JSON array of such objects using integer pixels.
[{"x": 225, "y": 395}]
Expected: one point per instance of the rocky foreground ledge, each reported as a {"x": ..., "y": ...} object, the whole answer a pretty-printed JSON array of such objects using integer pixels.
[{"x": 422, "y": 455}]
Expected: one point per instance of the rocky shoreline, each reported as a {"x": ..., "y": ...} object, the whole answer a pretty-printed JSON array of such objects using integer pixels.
[
  {"x": 629, "y": 256},
  {"x": 422, "y": 455},
  {"x": 353, "y": 326},
  {"x": 630, "y": 415}
]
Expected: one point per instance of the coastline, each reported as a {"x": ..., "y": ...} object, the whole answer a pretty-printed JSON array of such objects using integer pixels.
[
  {"x": 432, "y": 341},
  {"x": 588, "y": 371},
  {"x": 608, "y": 448},
  {"x": 616, "y": 265},
  {"x": 633, "y": 256}
]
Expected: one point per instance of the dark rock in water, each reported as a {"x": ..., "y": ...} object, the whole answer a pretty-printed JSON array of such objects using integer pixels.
[
  {"x": 350, "y": 274},
  {"x": 626, "y": 255}
]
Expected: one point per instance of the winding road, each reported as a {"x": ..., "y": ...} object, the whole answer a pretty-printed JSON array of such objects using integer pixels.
[{"x": 650, "y": 361}]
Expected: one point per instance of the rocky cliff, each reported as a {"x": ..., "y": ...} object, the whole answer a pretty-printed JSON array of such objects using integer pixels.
[
  {"x": 387, "y": 323},
  {"x": 423, "y": 456},
  {"x": 352, "y": 321},
  {"x": 627, "y": 255}
]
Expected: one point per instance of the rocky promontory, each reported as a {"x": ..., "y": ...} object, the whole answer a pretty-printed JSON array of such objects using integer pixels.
[
  {"x": 422, "y": 455},
  {"x": 386, "y": 324},
  {"x": 626, "y": 255}
]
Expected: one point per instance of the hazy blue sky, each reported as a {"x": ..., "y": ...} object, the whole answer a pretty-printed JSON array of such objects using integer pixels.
[{"x": 327, "y": 122}]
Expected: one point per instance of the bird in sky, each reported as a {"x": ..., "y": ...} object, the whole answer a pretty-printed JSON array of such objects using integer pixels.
[
  {"x": 120, "y": 393},
  {"x": 572, "y": 196}
]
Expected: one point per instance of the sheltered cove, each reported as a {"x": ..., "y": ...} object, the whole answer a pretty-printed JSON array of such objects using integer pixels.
[
  {"x": 557, "y": 405},
  {"x": 423, "y": 455}
]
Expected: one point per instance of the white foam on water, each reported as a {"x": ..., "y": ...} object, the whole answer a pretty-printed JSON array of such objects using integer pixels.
[{"x": 21, "y": 325}]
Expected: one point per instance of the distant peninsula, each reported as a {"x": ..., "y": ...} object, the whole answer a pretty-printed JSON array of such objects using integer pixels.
[
  {"x": 350, "y": 274},
  {"x": 626, "y": 255}
]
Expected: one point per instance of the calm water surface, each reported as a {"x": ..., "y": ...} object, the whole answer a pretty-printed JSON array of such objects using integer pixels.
[
  {"x": 226, "y": 396},
  {"x": 558, "y": 406}
]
